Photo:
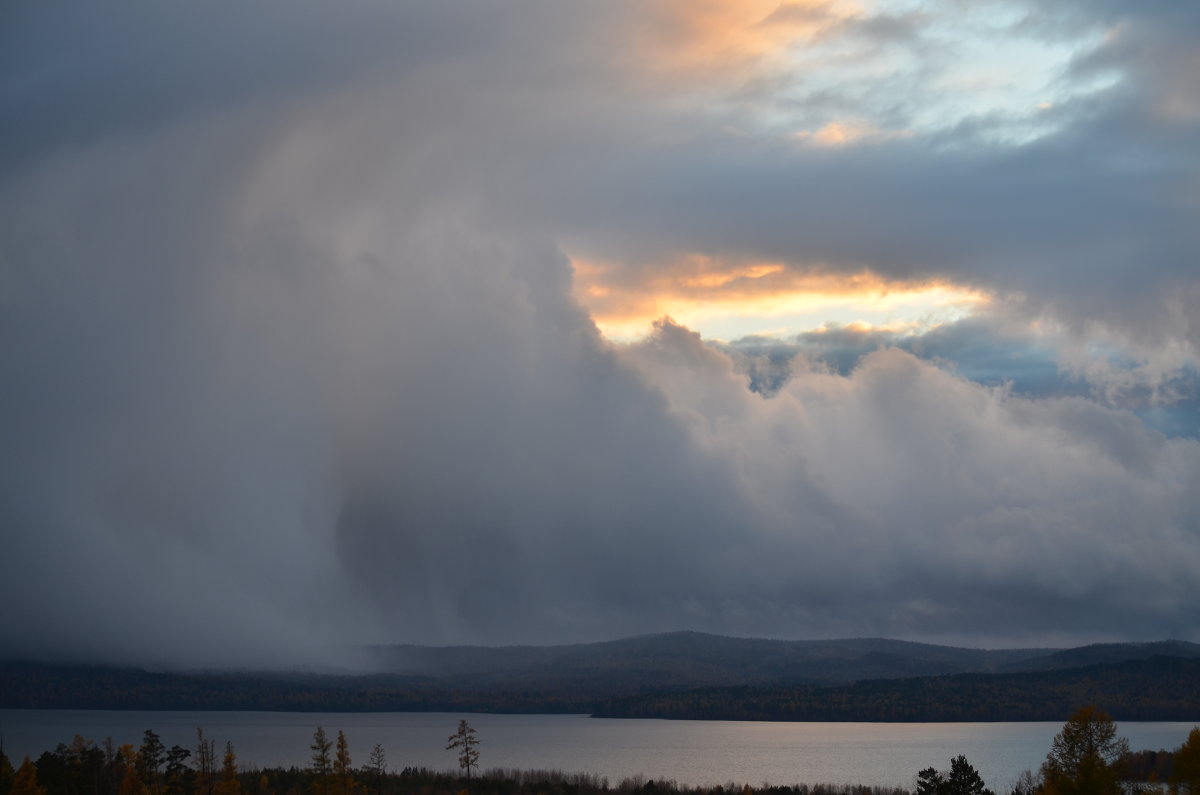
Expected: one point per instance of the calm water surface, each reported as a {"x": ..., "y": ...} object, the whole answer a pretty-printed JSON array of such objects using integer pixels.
[{"x": 690, "y": 752}]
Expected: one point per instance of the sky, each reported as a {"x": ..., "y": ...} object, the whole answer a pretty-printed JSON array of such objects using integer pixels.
[{"x": 539, "y": 322}]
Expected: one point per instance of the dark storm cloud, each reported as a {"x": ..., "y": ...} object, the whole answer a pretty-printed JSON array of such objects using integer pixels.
[
  {"x": 78, "y": 73},
  {"x": 290, "y": 360}
]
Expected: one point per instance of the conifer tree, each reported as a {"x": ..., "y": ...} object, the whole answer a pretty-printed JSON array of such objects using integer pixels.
[
  {"x": 319, "y": 765},
  {"x": 175, "y": 778},
  {"x": 114, "y": 770},
  {"x": 964, "y": 779},
  {"x": 229, "y": 784},
  {"x": 7, "y": 774},
  {"x": 341, "y": 759},
  {"x": 25, "y": 782},
  {"x": 929, "y": 782},
  {"x": 376, "y": 767},
  {"x": 343, "y": 769},
  {"x": 1185, "y": 773},
  {"x": 125, "y": 760},
  {"x": 150, "y": 758},
  {"x": 1082, "y": 755}
]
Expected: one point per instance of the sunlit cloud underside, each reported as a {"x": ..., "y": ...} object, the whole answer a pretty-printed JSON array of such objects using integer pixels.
[{"x": 725, "y": 301}]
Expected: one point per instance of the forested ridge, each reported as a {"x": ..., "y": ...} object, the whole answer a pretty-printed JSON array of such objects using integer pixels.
[
  {"x": 38, "y": 686},
  {"x": 1160, "y": 688}
]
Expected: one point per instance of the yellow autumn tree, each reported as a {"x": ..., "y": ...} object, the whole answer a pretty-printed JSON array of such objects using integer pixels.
[
  {"x": 1082, "y": 755},
  {"x": 25, "y": 782},
  {"x": 228, "y": 784},
  {"x": 343, "y": 770},
  {"x": 132, "y": 782},
  {"x": 1185, "y": 773}
]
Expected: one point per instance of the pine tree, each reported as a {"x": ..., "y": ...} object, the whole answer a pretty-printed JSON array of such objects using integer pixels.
[
  {"x": 7, "y": 774},
  {"x": 929, "y": 782},
  {"x": 150, "y": 758},
  {"x": 964, "y": 779},
  {"x": 176, "y": 770}
]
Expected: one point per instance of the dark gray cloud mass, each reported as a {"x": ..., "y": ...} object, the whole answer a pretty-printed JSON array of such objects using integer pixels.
[{"x": 290, "y": 358}]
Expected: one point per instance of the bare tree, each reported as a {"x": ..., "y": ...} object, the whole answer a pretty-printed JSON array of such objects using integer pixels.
[
  {"x": 206, "y": 753},
  {"x": 376, "y": 767},
  {"x": 464, "y": 741}
]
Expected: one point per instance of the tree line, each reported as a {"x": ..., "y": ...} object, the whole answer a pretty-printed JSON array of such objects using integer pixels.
[
  {"x": 1159, "y": 688},
  {"x": 1086, "y": 758}
]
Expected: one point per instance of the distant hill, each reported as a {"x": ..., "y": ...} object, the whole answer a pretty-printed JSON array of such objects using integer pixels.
[
  {"x": 669, "y": 675},
  {"x": 1099, "y": 653},
  {"x": 694, "y": 659}
]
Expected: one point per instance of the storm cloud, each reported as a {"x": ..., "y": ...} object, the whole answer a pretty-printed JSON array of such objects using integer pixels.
[{"x": 294, "y": 356}]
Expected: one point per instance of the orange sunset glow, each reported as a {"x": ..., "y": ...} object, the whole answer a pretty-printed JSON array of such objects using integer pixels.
[
  {"x": 725, "y": 300},
  {"x": 701, "y": 36}
]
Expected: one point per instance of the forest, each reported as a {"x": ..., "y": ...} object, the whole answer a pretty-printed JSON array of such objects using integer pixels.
[
  {"x": 1158, "y": 688},
  {"x": 1161, "y": 688},
  {"x": 1087, "y": 756}
]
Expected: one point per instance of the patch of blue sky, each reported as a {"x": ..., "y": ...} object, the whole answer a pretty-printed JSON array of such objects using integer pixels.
[
  {"x": 1027, "y": 370},
  {"x": 946, "y": 65},
  {"x": 1177, "y": 420},
  {"x": 1028, "y": 367}
]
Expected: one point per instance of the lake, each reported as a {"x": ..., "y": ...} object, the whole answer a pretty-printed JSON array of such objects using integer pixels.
[{"x": 690, "y": 752}]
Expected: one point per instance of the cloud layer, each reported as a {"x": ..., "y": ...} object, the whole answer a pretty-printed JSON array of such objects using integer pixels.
[{"x": 293, "y": 355}]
